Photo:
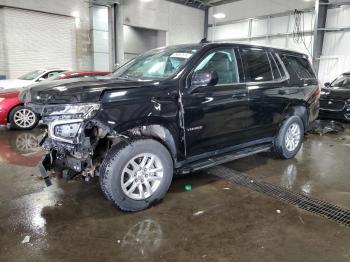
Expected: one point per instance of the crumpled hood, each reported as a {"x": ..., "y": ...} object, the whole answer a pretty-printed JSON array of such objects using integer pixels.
[
  {"x": 75, "y": 90},
  {"x": 14, "y": 83}
]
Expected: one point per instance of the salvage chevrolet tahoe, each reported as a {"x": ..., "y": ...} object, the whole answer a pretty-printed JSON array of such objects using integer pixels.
[{"x": 175, "y": 110}]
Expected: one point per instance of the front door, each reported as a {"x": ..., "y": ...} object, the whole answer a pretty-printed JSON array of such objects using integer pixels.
[{"x": 215, "y": 116}]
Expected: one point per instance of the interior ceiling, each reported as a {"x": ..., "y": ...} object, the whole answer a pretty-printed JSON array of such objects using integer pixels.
[{"x": 202, "y": 4}]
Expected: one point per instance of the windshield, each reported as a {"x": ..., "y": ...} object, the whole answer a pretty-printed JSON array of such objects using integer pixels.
[
  {"x": 342, "y": 82},
  {"x": 32, "y": 75},
  {"x": 155, "y": 64}
]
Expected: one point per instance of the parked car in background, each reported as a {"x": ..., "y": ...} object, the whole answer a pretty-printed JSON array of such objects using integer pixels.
[
  {"x": 177, "y": 110},
  {"x": 30, "y": 78},
  {"x": 335, "y": 99},
  {"x": 13, "y": 111}
]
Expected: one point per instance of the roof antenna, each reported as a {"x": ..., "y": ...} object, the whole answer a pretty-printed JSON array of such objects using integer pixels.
[{"x": 204, "y": 40}]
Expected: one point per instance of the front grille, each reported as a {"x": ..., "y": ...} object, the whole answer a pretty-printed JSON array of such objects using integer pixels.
[
  {"x": 315, "y": 206},
  {"x": 334, "y": 105}
]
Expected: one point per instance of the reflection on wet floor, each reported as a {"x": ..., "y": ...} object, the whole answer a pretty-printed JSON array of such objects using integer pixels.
[
  {"x": 20, "y": 147},
  {"x": 215, "y": 221}
]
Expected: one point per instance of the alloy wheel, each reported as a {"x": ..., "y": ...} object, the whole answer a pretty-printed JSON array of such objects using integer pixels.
[
  {"x": 292, "y": 137},
  {"x": 142, "y": 176},
  {"x": 24, "y": 118}
]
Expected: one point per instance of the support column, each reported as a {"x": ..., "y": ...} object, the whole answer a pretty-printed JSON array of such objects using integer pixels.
[
  {"x": 206, "y": 22},
  {"x": 321, "y": 7}
]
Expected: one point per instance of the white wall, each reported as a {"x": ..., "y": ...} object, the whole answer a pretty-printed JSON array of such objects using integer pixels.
[
  {"x": 254, "y": 8},
  {"x": 100, "y": 35},
  {"x": 75, "y": 8},
  {"x": 274, "y": 26},
  {"x": 335, "y": 58},
  {"x": 2, "y": 47},
  {"x": 138, "y": 40},
  {"x": 182, "y": 24}
]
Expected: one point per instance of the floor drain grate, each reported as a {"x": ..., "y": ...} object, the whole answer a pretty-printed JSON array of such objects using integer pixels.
[{"x": 318, "y": 207}]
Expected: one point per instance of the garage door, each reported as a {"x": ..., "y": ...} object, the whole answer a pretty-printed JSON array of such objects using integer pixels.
[{"x": 37, "y": 40}]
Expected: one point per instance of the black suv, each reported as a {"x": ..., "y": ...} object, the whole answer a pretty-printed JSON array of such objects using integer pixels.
[{"x": 177, "y": 110}]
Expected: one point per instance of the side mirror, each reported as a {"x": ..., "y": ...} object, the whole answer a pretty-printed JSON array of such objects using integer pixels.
[
  {"x": 41, "y": 79},
  {"x": 327, "y": 85},
  {"x": 204, "y": 78}
]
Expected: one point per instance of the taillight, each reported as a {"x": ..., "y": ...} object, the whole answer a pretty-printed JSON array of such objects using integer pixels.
[{"x": 318, "y": 91}]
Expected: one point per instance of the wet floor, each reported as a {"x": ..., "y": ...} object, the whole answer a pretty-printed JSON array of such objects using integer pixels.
[{"x": 215, "y": 221}]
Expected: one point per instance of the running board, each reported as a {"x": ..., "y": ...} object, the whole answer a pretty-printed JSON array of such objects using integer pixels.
[{"x": 220, "y": 159}]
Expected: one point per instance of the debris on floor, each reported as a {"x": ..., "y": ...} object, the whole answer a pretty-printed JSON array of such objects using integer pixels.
[
  {"x": 26, "y": 240},
  {"x": 323, "y": 127},
  {"x": 58, "y": 204},
  {"x": 188, "y": 187},
  {"x": 278, "y": 211},
  {"x": 198, "y": 213},
  {"x": 227, "y": 188}
]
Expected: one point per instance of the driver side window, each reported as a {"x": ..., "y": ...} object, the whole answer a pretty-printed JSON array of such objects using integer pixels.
[{"x": 223, "y": 62}]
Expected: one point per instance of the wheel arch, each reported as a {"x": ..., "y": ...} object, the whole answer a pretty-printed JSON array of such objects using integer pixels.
[
  {"x": 300, "y": 111},
  {"x": 161, "y": 131},
  {"x": 11, "y": 110}
]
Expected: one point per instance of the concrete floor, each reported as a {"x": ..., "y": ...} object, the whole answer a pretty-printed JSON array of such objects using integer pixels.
[{"x": 215, "y": 221}]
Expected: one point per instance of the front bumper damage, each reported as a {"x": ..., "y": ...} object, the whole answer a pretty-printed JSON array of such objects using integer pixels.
[{"x": 82, "y": 155}]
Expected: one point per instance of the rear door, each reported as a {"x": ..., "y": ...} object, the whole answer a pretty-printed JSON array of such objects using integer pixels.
[
  {"x": 267, "y": 85},
  {"x": 215, "y": 116}
]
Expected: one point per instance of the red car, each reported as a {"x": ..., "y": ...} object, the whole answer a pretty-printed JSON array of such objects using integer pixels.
[{"x": 13, "y": 111}]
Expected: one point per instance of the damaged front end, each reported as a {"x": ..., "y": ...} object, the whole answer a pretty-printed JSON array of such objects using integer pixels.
[{"x": 74, "y": 139}]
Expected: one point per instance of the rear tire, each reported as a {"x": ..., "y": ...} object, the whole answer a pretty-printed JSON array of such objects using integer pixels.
[
  {"x": 136, "y": 175},
  {"x": 23, "y": 118},
  {"x": 290, "y": 138}
]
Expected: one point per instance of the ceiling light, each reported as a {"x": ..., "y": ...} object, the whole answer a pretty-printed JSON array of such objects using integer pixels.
[{"x": 219, "y": 15}]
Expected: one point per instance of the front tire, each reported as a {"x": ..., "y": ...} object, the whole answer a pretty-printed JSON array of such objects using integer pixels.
[
  {"x": 23, "y": 118},
  {"x": 290, "y": 138},
  {"x": 136, "y": 175}
]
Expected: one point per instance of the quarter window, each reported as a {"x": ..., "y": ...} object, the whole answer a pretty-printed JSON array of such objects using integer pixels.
[
  {"x": 223, "y": 62},
  {"x": 275, "y": 70},
  {"x": 257, "y": 65},
  {"x": 299, "y": 66}
]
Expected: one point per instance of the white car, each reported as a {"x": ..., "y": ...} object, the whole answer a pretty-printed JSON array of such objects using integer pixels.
[{"x": 30, "y": 78}]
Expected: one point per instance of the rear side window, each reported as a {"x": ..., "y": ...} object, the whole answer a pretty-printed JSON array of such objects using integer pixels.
[
  {"x": 298, "y": 67},
  {"x": 257, "y": 65}
]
